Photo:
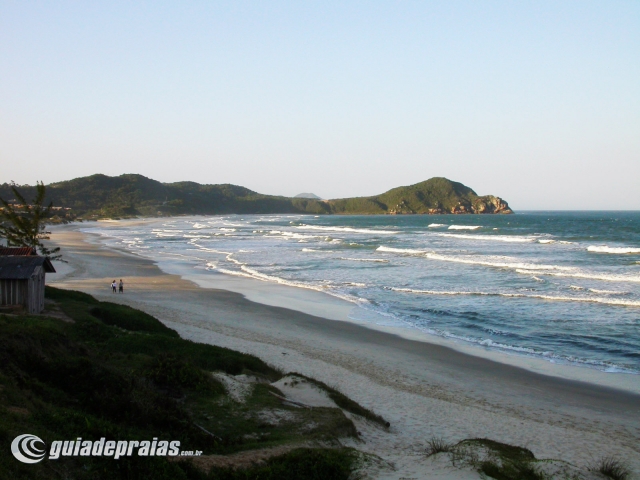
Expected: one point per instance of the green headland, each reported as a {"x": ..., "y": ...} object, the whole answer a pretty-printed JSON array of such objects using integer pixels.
[{"x": 101, "y": 196}]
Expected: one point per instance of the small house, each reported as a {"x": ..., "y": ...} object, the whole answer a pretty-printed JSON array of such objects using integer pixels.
[{"x": 22, "y": 279}]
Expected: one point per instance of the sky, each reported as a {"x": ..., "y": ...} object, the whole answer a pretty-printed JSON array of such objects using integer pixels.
[{"x": 537, "y": 102}]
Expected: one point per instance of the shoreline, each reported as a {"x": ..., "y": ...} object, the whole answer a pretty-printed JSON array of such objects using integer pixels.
[
  {"x": 423, "y": 388},
  {"x": 325, "y": 305}
]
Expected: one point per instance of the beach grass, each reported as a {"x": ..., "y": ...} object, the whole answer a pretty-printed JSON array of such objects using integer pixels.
[
  {"x": 116, "y": 372},
  {"x": 490, "y": 458},
  {"x": 347, "y": 403},
  {"x": 611, "y": 467},
  {"x": 438, "y": 445}
]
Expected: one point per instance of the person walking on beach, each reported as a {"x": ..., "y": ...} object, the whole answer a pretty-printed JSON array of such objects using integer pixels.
[
  {"x": 113, "y": 286},
  {"x": 121, "y": 286}
]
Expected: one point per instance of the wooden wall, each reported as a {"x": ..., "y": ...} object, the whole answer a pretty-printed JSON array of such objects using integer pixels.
[
  {"x": 13, "y": 292},
  {"x": 36, "y": 291},
  {"x": 28, "y": 293}
]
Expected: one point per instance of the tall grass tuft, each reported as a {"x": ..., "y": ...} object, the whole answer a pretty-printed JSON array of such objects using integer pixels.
[
  {"x": 438, "y": 445},
  {"x": 611, "y": 467}
]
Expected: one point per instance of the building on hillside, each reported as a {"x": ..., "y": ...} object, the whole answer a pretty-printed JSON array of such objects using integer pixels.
[{"x": 22, "y": 280}]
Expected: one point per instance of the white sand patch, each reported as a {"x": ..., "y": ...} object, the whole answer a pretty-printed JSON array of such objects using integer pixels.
[
  {"x": 239, "y": 387},
  {"x": 276, "y": 417},
  {"x": 302, "y": 391}
]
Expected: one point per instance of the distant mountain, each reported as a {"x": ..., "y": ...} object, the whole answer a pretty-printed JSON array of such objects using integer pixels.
[
  {"x": 100, "y": 196},
  {"x": 308, "y": 195}
]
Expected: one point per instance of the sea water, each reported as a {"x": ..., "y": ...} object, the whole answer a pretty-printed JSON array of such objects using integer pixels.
[{"x": 564, "y": 286}]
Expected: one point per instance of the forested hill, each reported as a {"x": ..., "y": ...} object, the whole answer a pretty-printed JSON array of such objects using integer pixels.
[{"x": 100, "y": 196}]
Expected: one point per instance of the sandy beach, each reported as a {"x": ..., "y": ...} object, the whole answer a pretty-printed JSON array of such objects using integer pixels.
[{"x": 424, "y": 387}]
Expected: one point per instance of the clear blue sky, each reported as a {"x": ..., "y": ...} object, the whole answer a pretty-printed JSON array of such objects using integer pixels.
[{"x": 538, "y": 102}]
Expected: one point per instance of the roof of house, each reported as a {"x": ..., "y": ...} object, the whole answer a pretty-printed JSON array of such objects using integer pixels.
[
  {"x": 23, "y": 267},
  {"x": 17, "y": 251}
]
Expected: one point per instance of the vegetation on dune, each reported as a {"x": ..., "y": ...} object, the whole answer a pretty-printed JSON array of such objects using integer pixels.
[
  {"x": 501, "y": 461},
  {"x": 304, "y": 463},
  {"x": 496, "y": 460},
  {"x": 345, "y": 402},
  {"x": 612, "y": 467},
  {"x": 100, "y": 196},
  {"x": 438, "y": 445},
  {"x": 94, "y": 369},
  {"x": 119, "y": 373}
]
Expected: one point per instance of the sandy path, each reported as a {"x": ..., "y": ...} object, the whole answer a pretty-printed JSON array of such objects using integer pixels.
[{"x": 423, "y": 389}]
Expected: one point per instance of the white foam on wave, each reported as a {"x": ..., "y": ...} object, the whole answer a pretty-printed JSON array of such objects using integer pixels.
[
  {"x": 248, "y": 272},
  {"x": 280, "y": 233},
  {"x": 186, "y": 235},
  {"x": 464, "y": 227},
  {"x": 586, "y": 275},
  {"x": 615, "y": 250},
  {"x": 165, "y": 230},
  {"x": 490, "y": 238},
  {"x": 502, "y": 346},
  {"x": 608, "y": 301},
  {"x": 348, "y": 229},
  {"x": 547, "y": 355},
  {"x": 211, "y": 250},
  {"x": 545, "y": 241},
  {"x": 378, "y": 260},
  {"x": 411, "y": 251},
  {"x": 437, "y": 225},
  {"x": 607, "y": 292},
  {"x": 489, "y": 261},
  {"x": 224, "y": 229}
]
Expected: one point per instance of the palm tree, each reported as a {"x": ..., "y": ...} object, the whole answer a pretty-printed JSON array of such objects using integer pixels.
[{"x": 23, "y": 224}]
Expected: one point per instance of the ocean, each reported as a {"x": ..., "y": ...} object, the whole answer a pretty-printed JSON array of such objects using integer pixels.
[{"x": 562, "y": 286}]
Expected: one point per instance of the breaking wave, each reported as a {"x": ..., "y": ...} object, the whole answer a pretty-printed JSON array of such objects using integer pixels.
[
  {"x": 586, "y": 275},
  {"x": 608, "y": 301},
  {"x": 464, "y": 227},
  {"x": 491, "y": 238},
  {"x": 376, "y": 260},
  {"x": 616, "y": 250},
  {"x": 348, "y": 229},
  {"x": 498, "y": 262}
]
